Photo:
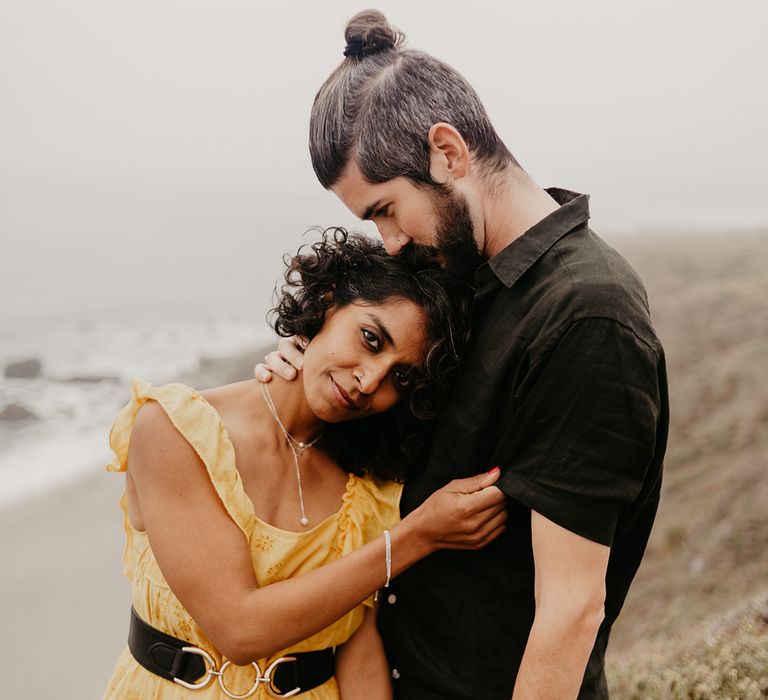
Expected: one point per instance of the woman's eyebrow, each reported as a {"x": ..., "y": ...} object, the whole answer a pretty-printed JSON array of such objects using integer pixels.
[{"x": 380, "y": 325}]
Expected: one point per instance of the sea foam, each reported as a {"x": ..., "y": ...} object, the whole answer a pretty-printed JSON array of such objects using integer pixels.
[{"x": 86, "y": 371}]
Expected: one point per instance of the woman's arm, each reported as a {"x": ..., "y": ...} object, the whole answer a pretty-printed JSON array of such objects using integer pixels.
[
  {"x": 205, "y": 558},
  {"x": 362, "y": 671}
]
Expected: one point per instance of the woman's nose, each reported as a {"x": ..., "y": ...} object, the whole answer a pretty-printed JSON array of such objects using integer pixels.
[{"x": 369, "y": 378}]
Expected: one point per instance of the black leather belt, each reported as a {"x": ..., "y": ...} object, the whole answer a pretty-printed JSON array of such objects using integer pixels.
[{"x": 183, "y": 663}]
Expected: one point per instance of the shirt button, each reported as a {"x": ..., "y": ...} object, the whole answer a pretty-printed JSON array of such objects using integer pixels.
[
  {"x": 391, "y": 598},
  {"x": 395, "y": 673}
]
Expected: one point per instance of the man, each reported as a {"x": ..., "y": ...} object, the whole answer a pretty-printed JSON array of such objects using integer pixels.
[{"x": 564, "y": 384}]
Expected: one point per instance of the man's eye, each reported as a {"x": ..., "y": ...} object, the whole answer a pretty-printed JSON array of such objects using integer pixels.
[
  {"x": 371, "y": 339},
  {"x": 384, "y": 211}
]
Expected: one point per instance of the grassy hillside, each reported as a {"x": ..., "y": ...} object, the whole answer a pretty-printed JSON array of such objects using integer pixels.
[
  {"x": 708, "y": 554},
  {"x": 724, "y": 657}
]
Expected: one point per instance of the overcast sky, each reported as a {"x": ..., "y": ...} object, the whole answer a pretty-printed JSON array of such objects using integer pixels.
[{"x": 153, "y": 152}]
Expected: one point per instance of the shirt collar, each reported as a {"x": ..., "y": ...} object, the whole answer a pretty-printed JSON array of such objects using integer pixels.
[{"x": 510, "y": 264}]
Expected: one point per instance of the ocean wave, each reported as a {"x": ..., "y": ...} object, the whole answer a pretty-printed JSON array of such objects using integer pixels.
[{"x": 57, "y": 418}]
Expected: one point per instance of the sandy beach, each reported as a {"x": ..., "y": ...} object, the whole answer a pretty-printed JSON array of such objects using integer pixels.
[{"x": 63, "y": 596}]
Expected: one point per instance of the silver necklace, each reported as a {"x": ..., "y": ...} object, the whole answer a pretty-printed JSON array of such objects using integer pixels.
[{"x": 297, "y": 449}]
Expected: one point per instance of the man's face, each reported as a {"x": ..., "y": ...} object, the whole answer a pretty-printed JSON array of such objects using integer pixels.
[{"x": 436, "y": 218}]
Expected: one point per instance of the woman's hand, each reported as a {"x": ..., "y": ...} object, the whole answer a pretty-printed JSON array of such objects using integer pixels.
[
  {"x": 464, "y": 514},
  {"x": 285, "y": 361}
]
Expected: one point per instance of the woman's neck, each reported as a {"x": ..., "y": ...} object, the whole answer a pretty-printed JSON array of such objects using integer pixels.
[{"x": 294, "y": 412}]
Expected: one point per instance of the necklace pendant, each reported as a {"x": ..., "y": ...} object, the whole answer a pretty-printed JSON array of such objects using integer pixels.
[{"x": 297, "y": 448}]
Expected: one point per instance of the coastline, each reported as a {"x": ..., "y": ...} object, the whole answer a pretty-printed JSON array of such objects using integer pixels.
[{"x": 63, "y": 597}]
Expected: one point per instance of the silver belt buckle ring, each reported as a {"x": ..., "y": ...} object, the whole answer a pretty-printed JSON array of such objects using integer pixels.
[
  {"x": 247, "y": 694},
  {"x": 210, "y": 669},
  {"x": 274, "y": 692}
]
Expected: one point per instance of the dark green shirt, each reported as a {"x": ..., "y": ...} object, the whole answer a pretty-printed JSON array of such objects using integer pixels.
[{"x": 565, "y": 388}]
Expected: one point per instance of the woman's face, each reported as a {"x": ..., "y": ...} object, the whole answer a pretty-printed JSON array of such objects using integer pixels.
[{"x": 363, "y": 359}]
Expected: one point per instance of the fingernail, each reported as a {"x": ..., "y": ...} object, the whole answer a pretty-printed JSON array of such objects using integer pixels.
[
  {"x": 495, "y": 469},
  {"x": 299, "y": 362},
  {"x": 288, "y": 374}
]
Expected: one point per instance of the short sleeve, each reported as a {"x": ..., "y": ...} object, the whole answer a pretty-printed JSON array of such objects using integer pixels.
[
  {"x": 584, "y": 429},
  {"x": 201, "y": 426}
]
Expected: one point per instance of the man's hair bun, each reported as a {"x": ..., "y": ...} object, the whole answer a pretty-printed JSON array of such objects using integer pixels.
[{"x": 368, "y": 32}]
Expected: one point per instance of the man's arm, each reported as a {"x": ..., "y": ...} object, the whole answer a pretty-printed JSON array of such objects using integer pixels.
[
  {"x": 570, "y": 596},
  {"x": 576, "y": 453}
]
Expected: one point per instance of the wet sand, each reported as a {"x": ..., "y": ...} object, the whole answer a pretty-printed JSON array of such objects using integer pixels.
[{"x": 65, "y": 602}]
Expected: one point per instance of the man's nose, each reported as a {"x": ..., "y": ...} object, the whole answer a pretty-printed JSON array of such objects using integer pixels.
[{"x": 393, "y": 238}]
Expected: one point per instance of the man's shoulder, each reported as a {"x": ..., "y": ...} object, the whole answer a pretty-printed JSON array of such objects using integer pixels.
[{"x": 595, "y": 281}]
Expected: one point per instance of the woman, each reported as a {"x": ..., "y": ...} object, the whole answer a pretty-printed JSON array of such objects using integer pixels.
[{"x": 258, "y": 525}]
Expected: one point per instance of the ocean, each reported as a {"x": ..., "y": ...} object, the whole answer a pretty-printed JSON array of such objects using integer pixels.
[{"x": 54, "y": 421}]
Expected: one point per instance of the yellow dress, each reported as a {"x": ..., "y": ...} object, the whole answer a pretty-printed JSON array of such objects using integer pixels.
[{"x": 367, "y": 510}]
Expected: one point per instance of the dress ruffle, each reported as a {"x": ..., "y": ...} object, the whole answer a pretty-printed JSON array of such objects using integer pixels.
[{"x": 202, "y": 427}]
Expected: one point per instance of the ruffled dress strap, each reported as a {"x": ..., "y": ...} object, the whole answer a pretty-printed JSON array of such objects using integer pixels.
[
  {"x": 375, "y": 506},
  {"x": 201, "y": 426}
]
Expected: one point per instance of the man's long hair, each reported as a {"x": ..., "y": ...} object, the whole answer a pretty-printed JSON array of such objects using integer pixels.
[{"x": 380, "y": 103}]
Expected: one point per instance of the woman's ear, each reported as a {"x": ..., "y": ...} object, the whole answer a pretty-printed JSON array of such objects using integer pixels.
[{"x": 448, "y": 153}]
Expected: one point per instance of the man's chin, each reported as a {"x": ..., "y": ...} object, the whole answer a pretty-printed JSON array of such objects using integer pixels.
[
  {"x": 423, "y": 255},
  {"x": 460, "y": 258}
]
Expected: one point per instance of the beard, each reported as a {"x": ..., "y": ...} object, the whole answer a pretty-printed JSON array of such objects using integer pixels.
[{"x": 455, "y": 247}]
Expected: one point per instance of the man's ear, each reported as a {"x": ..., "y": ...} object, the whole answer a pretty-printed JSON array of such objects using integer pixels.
[{"x": 448, "y": 153}]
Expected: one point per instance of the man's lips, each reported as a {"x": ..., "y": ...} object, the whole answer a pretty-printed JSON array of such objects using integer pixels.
[{"x": 343, "y": 397}]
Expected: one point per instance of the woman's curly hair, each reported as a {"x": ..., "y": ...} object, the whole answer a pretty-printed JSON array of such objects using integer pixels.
[{"x": 342, "y": 268}]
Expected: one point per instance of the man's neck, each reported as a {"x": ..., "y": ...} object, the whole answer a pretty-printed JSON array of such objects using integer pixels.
[{"x": 514, "y": 204}]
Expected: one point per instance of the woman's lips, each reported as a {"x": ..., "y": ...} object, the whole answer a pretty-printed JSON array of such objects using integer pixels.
[{"x": 343, "y": 397}]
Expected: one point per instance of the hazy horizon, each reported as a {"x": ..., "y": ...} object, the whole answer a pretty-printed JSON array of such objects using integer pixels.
[{"x": 153, "y": 155}]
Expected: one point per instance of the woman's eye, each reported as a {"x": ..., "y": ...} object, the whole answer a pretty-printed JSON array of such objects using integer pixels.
[
  {"x": 371, "y": 339},
  {"x": 384, "y": 211},
  {"x": 402, "y": 379}
]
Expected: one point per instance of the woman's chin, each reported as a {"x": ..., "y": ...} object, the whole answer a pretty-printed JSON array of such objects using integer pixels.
[
  {"x": 330, "y": 412},
  {"x": 324, "y": 409}
]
